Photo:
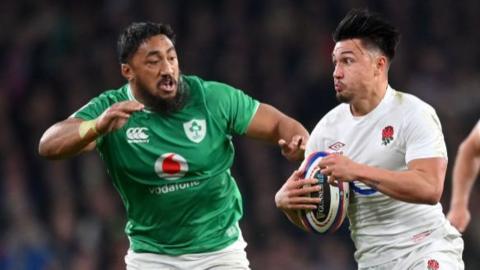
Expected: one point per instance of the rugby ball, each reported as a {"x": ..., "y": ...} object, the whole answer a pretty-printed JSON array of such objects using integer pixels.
[{"x": 332, "y": 209}]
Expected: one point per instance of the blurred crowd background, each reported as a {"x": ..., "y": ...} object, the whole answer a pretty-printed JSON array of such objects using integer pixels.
[{"x": 56, "y": 55}]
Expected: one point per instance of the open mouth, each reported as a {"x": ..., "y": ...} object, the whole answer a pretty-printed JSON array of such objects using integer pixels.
[{"x": 167, "y": 84}]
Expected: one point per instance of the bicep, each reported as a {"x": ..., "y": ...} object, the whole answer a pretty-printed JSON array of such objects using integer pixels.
[
  {"x": 265, "y": 122},
  {"x": 432, "y": 170}
]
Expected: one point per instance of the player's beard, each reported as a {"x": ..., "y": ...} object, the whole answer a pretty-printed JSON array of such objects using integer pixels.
[
  {"x": 344, "y": 98},
  {"x": 166, "y": 106}
]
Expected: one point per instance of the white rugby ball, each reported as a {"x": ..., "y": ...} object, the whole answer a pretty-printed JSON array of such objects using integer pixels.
[{"x": 332, "y": 209}]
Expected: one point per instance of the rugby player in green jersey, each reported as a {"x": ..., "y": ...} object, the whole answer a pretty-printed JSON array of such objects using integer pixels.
[{"x": 166, "y": 141}]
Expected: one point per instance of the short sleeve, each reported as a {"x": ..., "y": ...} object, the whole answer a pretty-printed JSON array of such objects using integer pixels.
[
  {"x": 423, "y": 135},
  {"x": 233, "y": 104},
  {"x": 94, "y": 108},
  {"x": 313, "y": 143}
]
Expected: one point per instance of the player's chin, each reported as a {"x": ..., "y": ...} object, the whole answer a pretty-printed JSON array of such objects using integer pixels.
[{"x": 343, "y": 97}]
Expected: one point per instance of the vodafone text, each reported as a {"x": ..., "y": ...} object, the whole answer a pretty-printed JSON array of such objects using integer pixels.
[{"x": 172, "y": 187}]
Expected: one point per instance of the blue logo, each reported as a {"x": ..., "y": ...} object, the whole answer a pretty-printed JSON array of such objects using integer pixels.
[{"x": 362, "y": 191}]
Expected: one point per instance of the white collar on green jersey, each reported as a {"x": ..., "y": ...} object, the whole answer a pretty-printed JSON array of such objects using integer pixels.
[{"x": 131, "y": 97}]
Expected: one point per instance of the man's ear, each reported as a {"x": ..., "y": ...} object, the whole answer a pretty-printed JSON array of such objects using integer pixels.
[
  {"x": 127, "y": 72},
  {"x": 381, "y": 65}
]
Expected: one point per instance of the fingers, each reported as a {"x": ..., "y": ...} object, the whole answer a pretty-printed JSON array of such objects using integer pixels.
[
  {"x": 332, "y": 181},
  {"x": 327, "y": 160},
  {"x": 303, "y": 190},
  {"x": 297, "y": 142},
  {"x": 117, "y": 115},
  {"x": 296, "y": 175},
  {"x": 129, "y": 106},
  {"x": 295, "y": 193},
  {"x": 120, "y": 114}
]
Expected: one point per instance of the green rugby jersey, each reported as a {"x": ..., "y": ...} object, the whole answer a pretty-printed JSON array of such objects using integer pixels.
[{"x": 173, "y": 172}]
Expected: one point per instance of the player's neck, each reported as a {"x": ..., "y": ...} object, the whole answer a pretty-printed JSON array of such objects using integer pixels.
[{"x": 368, "y": 103}]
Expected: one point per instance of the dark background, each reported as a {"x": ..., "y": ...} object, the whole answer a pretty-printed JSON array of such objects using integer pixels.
[{"x": 56, "y": 55}]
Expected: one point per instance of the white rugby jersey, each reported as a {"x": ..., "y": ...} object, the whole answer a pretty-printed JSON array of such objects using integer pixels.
[{"x": 400, "y": 129}]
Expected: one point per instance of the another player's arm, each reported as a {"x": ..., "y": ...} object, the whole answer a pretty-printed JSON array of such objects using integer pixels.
[
  {"x": 272, "y": 125},
  {"x": 74, "y": 136},
  {"x": 63, "y": 139},
  {"x": 465, "y": 172},
  {"x": 422, "y": 182},
  {"x": 293, "y": 196}
]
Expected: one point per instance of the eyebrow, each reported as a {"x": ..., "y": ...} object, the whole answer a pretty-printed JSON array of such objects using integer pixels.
[
  {"x": 156, "y": 52},
  {"x": 344, "y": 52}
]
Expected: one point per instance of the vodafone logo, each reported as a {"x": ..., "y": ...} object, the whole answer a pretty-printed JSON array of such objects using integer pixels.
[
  {"x": 137, "y": 135},
  {"x": 171, "y": 166}
]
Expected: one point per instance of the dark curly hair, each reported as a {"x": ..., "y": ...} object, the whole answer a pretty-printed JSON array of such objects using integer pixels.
[
  {"x": 137, "y": 33},
  {"x": 369, "y": 27}
]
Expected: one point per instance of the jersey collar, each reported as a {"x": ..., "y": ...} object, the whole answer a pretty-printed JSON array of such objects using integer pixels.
[
  {"x": 378, "y": 109},
  {"x": 131, "y": 97}
]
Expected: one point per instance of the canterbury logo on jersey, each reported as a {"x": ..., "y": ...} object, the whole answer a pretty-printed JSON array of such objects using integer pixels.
[{"x": 137, "y": 135}]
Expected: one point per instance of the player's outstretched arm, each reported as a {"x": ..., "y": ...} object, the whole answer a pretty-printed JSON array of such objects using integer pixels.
[
  {"x": 74, "y": 136},
  {"x": 272, "y": 125},
  {"x": 465, "y": 172},
  {"x": 293, "y": 196}
]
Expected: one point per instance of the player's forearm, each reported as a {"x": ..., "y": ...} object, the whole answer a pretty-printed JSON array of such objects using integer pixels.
[
  {"x": 289, "y": 127},
  {"x": 465, "y": 171},
  {"x": 67, "y": 138},
  {"x": 408, "y": 186}
]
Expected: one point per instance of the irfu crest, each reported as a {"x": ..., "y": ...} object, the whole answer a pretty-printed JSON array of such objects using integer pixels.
[{"x": 195, "y": 129}]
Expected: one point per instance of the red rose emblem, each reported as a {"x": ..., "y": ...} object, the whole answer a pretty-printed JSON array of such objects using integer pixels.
[
  {"x": 433, "y": 264},
  {"x": 387, "y": 135}
]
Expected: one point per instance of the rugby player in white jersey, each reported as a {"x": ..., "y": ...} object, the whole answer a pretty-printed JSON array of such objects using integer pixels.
[
  {"x": 465, "y": 172},
  {"x": 390, "y": 147}
]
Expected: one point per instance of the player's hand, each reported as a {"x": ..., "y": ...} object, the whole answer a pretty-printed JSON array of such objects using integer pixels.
[
  {"x": 460, "y": 218},
  {"x": 116, "y": 116},
  {"x": 293, "y": 150},
  {"x": 293, "y": 194},
  {"x": 338, "y": 168}
]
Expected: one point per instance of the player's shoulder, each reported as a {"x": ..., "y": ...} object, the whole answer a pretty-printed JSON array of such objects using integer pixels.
[
  {"x": 334, "y": 117},
  {"x": 204, "y": 85},
  {"x": 336, "y": 114},
  {"x": 409, "y": 103},
  {"x": 210, "y": 90},
  {"x": 115, "y": 95}
]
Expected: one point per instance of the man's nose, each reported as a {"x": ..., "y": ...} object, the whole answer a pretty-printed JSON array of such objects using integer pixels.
[
  {"x": 337, "y": 72},
  {"x": 166, "y": 68}
]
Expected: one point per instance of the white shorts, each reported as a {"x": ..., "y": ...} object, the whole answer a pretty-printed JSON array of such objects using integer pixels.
[
  {"x": 441, "y": 254},
  {"x": 231, "y": 257}
]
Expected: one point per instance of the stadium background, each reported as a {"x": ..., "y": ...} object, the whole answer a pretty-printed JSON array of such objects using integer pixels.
[{"x": 56, "y": 55}]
